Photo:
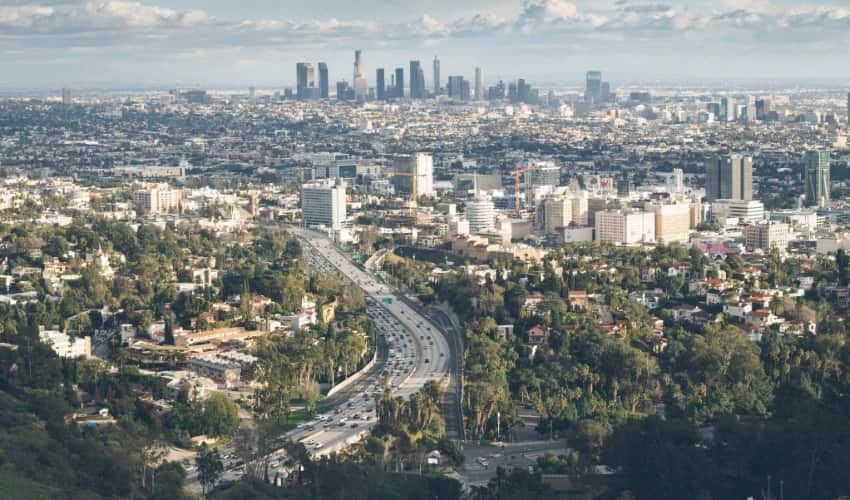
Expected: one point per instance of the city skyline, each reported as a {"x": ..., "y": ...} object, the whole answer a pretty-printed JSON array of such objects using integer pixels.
[{"x": 165, "y": 42}]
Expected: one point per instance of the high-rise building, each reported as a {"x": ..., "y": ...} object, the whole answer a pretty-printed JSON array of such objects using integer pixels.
[
  {"x": 762, "y": 109},
  {"x": 399, "y": 83},
  {"x": 358, "y": 64},
  {"x": 848, "y": 107},
  {"x": 66, "y": 96},
  {"x": 323, "y": 80},
  {"x": 593, "y": 87},
  {"x": 817, "y": 178},
  {"x": 305, "y": 80},
  {"x": 417, "y": 80},
  {"x": 455, "y": 87},
  {"x": 604, "y": 91},
  {"x": 672, "y": 221},
  {"x": 437, "y": 79},
  {"x": 729, "y": 178},
  {"x": 420, "y": 164},
  {"x": 160, "y": 199},
  {"x": 480, "y": 213},
  {"x": 625, "y": 227},
  {"x": 380, "y": 85},
  {"x": 479, "y": 84},
  {"x": 727, "y": 109},
  {"x": 766, "y": 235},
  {"x": 557, "y": 214},
  {"x": 323, "y": 203}
]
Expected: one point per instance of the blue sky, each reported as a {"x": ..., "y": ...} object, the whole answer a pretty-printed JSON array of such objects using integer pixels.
[{"x": 50, "y": 43}]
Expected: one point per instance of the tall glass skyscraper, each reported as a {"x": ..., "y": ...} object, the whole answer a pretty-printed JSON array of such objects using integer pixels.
[{"x": 817, "y": 178}]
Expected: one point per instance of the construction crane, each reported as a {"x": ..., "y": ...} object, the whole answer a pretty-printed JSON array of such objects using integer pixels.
[
  {"x": 413, "y": 197},
  {"x": 520, "y": 169}
]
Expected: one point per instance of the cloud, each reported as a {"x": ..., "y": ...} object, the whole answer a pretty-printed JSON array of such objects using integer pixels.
[{"x": 145, "y": 26}]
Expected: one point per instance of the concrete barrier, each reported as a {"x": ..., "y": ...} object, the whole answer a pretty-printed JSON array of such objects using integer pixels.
[{"x": 354, "y": 377}]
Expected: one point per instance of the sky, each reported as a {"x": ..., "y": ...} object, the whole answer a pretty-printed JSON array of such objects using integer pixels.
[{"x": 236, "y": 43}]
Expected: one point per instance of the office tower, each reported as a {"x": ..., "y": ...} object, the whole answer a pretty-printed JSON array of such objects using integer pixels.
[
  {"x": 557, "y": 214},
  {"x": 323, "y": 203},
  {"x": 480, "y": 213},
  {"x": 766, "y": 235},
  {"x": 380, "y": 85},
  {"x": 729, "y": 178},
  {"x": 417, "y": 80},
  {"x": 420, "y": 164},
  {"x": 762, "y": 109},
  {"x": 344, "y": 91},
  {"x": 672, "y": 221},
  {"x": 455, "y": 88},
  {"x": 66, "y": 96},
  {"x": 605, "y": 92},
  {"x": 399, "y": 82},
  {"x": 817, "y": 178},
  {"x": 625, "y": 227},
  {"x": 305, "y": 80},
  {"x": 593, "y": 88},
  {"x": 848, "y": 107},
  {"x": 727, "y": 112},
  {"x": 358, "y": 65},
  {"x": 251, "y": 91},
  {"x": 479, "y": 84},
  {"x": 437, "y": 80},
  {"x": 323, "y": 80}
]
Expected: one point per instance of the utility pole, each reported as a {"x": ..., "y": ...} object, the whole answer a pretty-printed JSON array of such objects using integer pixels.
[{"x": 498, "y": 424}]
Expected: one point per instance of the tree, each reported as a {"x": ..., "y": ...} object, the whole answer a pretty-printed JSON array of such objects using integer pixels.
[
  {"x": 220, "y": 415},
  {"x": 210, "y": 468}
]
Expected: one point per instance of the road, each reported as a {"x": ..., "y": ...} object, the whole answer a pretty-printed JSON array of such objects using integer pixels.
[{"x": 416, "y": 352}]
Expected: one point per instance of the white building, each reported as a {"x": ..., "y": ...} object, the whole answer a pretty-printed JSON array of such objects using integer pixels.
[
  {"x": 481, "y": 215},
  {"x": 158, "y": 200},
  {"x": 557, "y": 214},
  {"x": 625, "y": 227},
  {"x": 323, "y": 204},
  {"x": 766, "y": 235},
  {"x": 745, "y": 211},
  {"x": 64, "y": 345}
]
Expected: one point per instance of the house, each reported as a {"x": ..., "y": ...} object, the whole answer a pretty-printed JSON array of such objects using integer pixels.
[
  {"x": 684, "y": 313},
  {"x": 327, "y": 311},
  {"x": 577, "y": 299},
  {"x": 682, "y": 269},
  {"x": 648, "y": 274},
  {"x": 538, "y": 335},
  {"x": 762, "y": 318},
  {"x": 505, "y": 332},
  {"x": 532, "y": 301},
  {"x": 738, "y": 310}
]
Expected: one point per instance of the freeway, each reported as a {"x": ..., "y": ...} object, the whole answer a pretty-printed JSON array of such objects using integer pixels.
[{"x": 416, "y": 351}]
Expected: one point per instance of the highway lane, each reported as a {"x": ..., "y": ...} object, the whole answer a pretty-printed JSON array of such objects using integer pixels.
[{"x": 417, "y": 351}]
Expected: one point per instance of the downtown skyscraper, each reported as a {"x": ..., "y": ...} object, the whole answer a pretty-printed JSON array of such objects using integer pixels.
[
  {"x": 479, "y": 83},
  {"x": 417, "y": 80},
  {"x": 437, "y": 80},
  {"x": 380, "y": 85},
  {"x": 305, "y": 80},
  {"x": 593, "y": 87},
  {"x": 323, "y": 80}
]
